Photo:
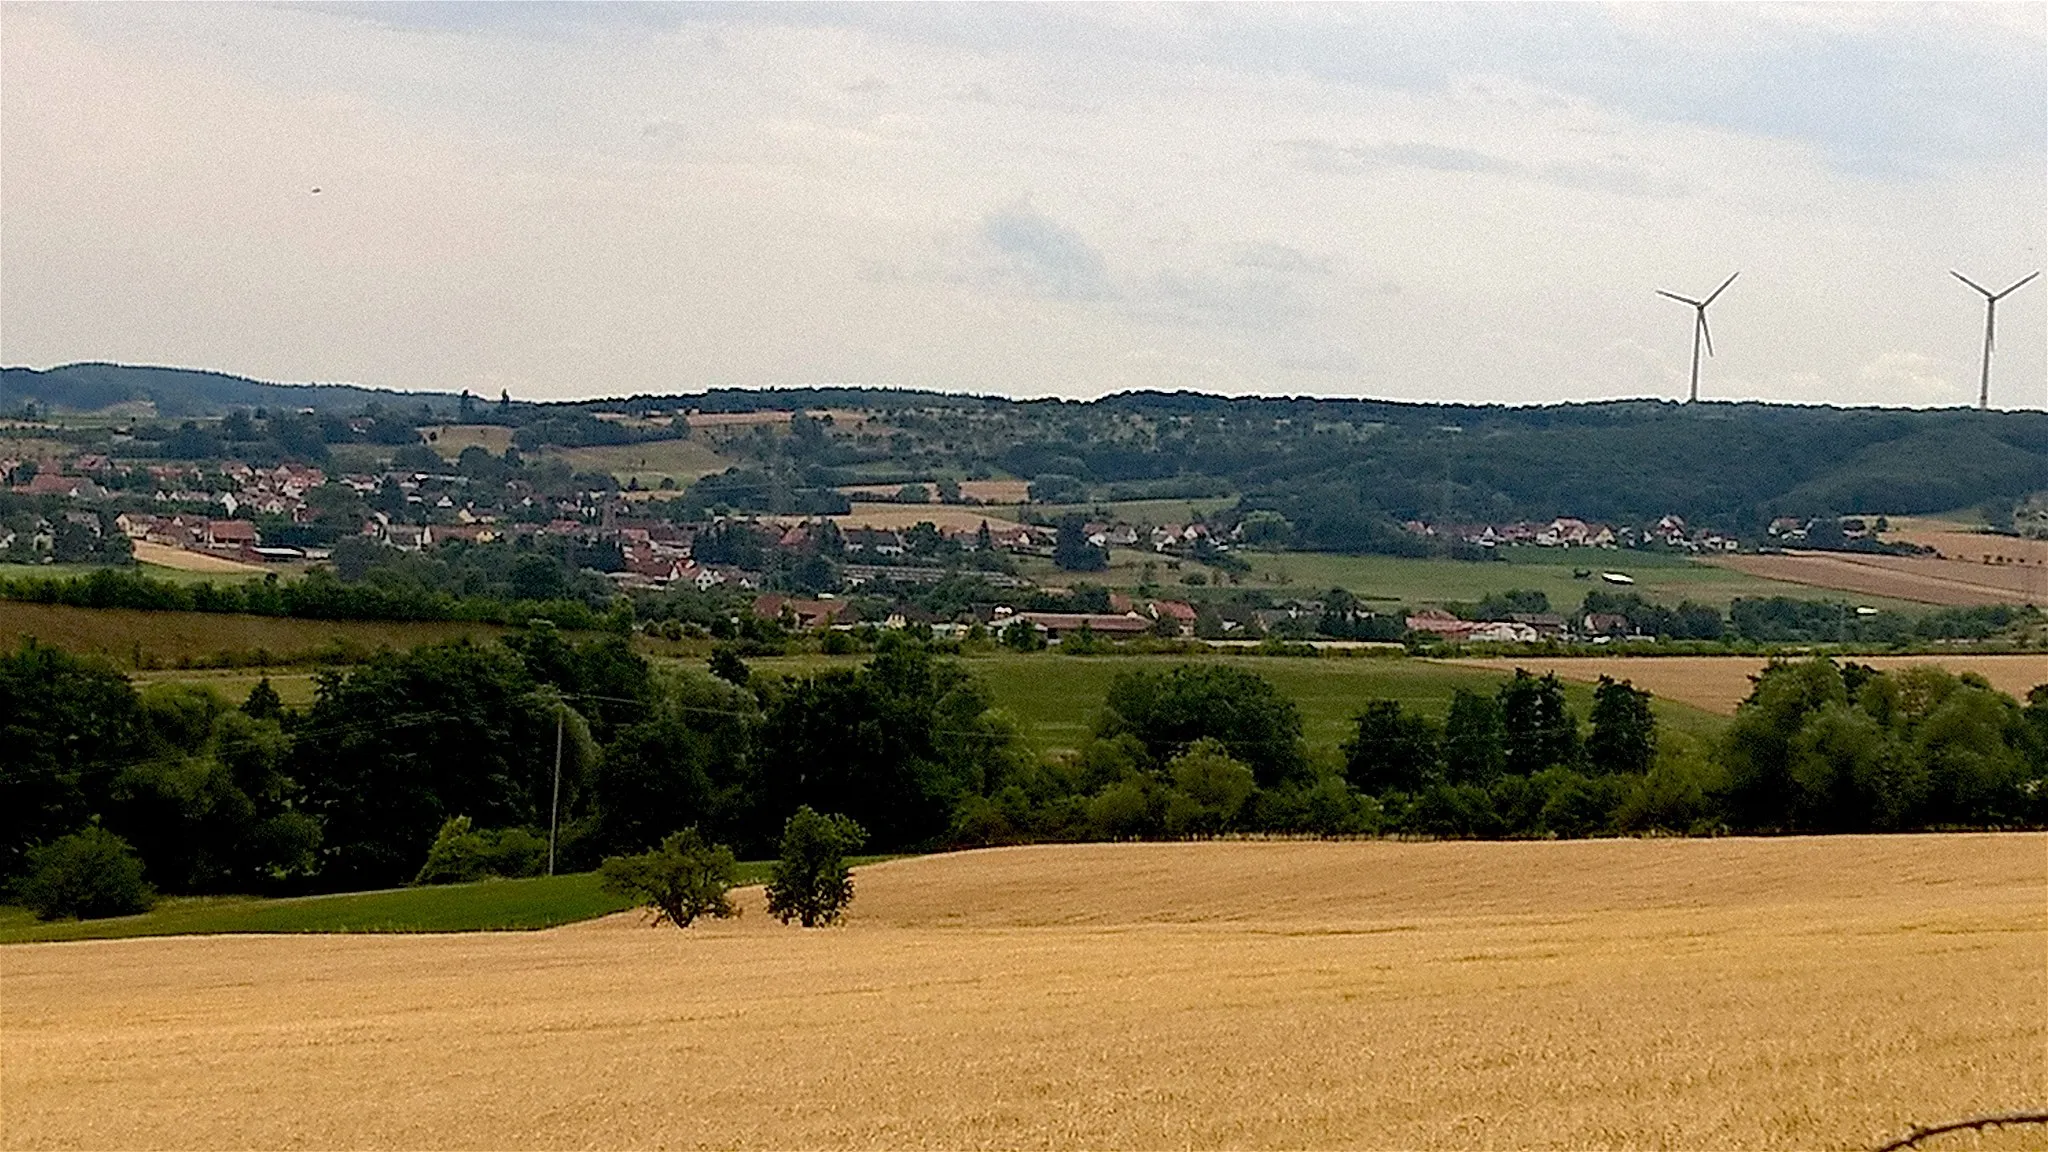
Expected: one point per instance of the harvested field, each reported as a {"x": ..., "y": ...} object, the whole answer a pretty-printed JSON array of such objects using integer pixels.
[
  {"x": 165, "y": 556},
  {"x": 1719, "y": 683},
  {"x": 1952, "y": 541},
  {"x": 1809, "y": 993},
  {"x": 738, "y": 419},
  {"x": 1922, "y": 579},
  {"x": 138, "y": 639}
]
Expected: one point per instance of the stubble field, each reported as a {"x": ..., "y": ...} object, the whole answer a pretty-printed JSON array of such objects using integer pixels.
[
  {"x": 1719, "y": 683},
  {"x": 1919, "y": 579},
  {"x": 1810, "y": 993}
]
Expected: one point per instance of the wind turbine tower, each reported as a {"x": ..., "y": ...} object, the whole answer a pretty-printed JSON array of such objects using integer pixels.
[
  {"x": 1700, "y": 331},
  {"x": 1991, "y": 300}
]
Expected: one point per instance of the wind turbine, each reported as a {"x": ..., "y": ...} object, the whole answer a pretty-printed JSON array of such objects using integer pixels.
[
  {"x": 1991, "y": 300},
  {"x": 1699, "y": 330}
]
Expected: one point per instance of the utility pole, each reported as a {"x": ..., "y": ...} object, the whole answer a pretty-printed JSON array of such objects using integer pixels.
[{"x": 555, "y": 807}]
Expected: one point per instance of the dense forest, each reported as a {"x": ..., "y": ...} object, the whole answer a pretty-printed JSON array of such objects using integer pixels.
[{"x": 209, "y": 795}]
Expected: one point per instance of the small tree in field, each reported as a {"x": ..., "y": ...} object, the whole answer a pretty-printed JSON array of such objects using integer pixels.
[
  {"x": 683, "y": 879},
  {"x": 810, "y": 883}
]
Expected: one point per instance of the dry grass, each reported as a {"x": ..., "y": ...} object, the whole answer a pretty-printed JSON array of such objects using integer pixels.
[
  {"x": 739, "y": 419},
  {"x": 1809, "y": 993},
  {"x": 166, "y": 556},
  {"x": 1921, "y": 579},
  {"x": 1718, "y": 683}
]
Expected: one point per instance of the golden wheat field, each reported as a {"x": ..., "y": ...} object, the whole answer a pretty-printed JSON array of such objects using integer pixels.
[
  {"x": 1921, "y": 579},
  {"x": 1794, "y": 993}
]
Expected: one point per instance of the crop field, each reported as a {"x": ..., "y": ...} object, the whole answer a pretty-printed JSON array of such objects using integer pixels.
[
  {"x": 1921, "y": 579},
  {"x": 649, "y": 462},
  {"x": 1725, "y": 994},
  {"x": 153, "y": 571},
  {"x": 180, "y": 559},
  {"x": 1055, "y": 698},
  {"x": 1954, "y": 541},
  {"x": 138, "y": 639},
  {"x": 1718, "y": 683},
  {"x": 1395, "y": 579}
]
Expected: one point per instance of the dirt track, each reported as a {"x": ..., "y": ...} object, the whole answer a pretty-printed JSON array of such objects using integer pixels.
[{"x": 1707, "y": 994}]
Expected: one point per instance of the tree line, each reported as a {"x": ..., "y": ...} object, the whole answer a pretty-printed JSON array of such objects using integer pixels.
[{"x": 440, "y": 762}]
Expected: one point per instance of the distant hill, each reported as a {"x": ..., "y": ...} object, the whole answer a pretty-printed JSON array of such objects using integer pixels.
[{"x": 186, "y": 392}]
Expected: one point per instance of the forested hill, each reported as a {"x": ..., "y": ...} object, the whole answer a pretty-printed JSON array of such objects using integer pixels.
[
  {"x": 184, "y": 391},
  {"x": 1344, "y": 473}
]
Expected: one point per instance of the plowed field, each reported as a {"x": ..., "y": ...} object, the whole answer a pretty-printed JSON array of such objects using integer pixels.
[
  {"x": 1795, "y": 993},
  {"x": 1922, "y": 579},
  {"x": 1719, "y": 683}
]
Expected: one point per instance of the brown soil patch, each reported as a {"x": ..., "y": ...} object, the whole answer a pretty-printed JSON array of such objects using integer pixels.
[
  {"x": 1924, "y": 580},
  {"x": 156, "y": 639},
  {"x": 166, "y": 556},
  {"x": 1719, "y": 683},
  {"x": 1811, "y": 993},
  {"x": 450, "y": 439},
  {"x": 738, "y": 419}
]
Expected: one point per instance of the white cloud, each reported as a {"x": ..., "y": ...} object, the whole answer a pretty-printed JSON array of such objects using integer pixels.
[{"x": 1032, "y": 200}]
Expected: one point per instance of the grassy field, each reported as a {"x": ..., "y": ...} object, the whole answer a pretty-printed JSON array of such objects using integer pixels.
[
  {"x": 1055, "y": 698},
  {"x": 1724, "y": 994},
  {"x": 293, "y": 687},
  {"x": 650, "y": 463},
  {"x": 138, "y": 639},
  {"x": 153, "y": 571},
  {"x": 1394, "y": 579}
]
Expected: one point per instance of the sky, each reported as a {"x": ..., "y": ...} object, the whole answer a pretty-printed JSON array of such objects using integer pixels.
[{"x": 1422, "y": 202}]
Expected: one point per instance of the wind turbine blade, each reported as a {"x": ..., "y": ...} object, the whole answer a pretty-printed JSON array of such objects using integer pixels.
[
  {"x": 1706, "y": 331},
  {"x": 1677, "y": 297},
  {"x": 1721, "y": 289},
  {"x": 2015, "y": 287},
  {"x": 1970, "y": 282}
]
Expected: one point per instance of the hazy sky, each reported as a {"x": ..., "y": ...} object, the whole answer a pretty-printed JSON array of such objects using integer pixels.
[{"x": 1405, "y": 201}]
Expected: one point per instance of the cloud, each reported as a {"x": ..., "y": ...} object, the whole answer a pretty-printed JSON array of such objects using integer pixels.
[
  {"x": 1032, "y": 249},
  {"x": 1911, "y": 378}
]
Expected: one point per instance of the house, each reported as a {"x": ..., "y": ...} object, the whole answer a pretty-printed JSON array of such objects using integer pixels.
[
  {"x": 58, "y": 484},
  {"x": 806, "y": 613},
  {"x": 231, "y": 534},
  {"x": 1055, "y": 625},
  {"x": 1606, "y": 624},
  {"x": 1181, "y": 614},
  {"x": 1438, "y": 622}
]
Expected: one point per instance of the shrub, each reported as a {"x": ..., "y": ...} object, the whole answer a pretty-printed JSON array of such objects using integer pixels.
[
  {"x": 461, "y": 854},
  {"x": 810, "y": 882},
  {"x": 87, "y": 874},
  {"x": 683, "y": 879}
]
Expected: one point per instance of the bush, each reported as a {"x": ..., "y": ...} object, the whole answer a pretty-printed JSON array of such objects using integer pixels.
[
  {"x": 88, "y": 874},
  {"x": 460, "y": 854},
  {"x": 683, "y": 879},
  {"x": 810, "y": 882}
]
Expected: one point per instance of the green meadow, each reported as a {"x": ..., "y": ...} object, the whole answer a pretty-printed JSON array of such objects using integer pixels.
[{"x": 1054, "y": 699}]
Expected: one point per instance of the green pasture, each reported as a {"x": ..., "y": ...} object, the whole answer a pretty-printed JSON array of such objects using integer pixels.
[
  {"x": 153, "y": 571},
  {"x": 1152, "y": 513},
  {"x": 1660, "y": 577},
  {"x": 139, "y": 639},
  {"x": 649, "y": 462},
  {"x": 1054, "y": 699},
  {"x": 293, "y": 687},
  {"x": 484, "y": 906}
]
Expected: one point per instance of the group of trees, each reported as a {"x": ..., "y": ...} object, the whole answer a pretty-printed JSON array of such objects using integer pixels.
[{"x": 440, "y": 763}]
